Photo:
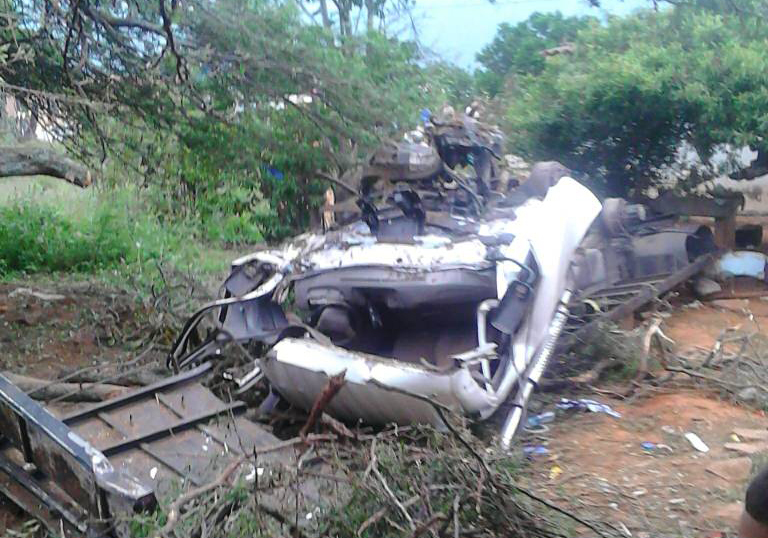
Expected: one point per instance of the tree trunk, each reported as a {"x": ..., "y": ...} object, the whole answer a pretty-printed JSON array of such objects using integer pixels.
[
  {"x": 370, "y": 8},
  {"x": 324, "y": 14},
  {"x": 32, "y": 161}
]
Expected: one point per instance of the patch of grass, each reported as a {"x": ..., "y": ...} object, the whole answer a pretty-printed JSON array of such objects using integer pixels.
[
  {"x": 35, "y": 238},
  {"x": 47, "y": 190},
  {"x": 108, "y": 233}
]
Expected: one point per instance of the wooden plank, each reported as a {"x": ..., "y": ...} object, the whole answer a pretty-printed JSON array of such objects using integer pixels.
[
  {"x": 138, "y": 395},
  {"x": 171, "y": 429}
]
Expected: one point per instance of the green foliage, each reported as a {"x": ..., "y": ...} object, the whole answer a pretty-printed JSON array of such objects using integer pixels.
[
  {"x": 448, "y": 84},
  {"x": 245, "y": 86},
  {"x": 516, "y": 50},
  {"x": 284, "y": 106},
  {"x": 110, "y": 233},
  {"x": 619, "y": 108},
  {"x": 36, "y": 238}
]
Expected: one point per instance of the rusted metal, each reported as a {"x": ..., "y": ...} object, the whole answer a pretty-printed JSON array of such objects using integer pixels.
[
  {"x": 49, "y": 447},
  {"x": 18, "y": 486},
  {"x": 695, "y": 206}
]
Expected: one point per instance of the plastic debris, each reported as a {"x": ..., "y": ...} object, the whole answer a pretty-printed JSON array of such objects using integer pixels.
[
  {"x": 742, "y": 263},
  {"x": 587, "y": 405},
  {"x": 696, "y": 442},
  {"x": 535, "y": 451},
  {"x": 647, "y": 445},
  {"x": 554, "y": 472},
  {"x": 537, "y": 420},
  {"x": 735, "y": 438}
]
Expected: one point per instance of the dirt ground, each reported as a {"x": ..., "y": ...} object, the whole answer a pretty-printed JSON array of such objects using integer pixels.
[{"x": 639, "y": 472}]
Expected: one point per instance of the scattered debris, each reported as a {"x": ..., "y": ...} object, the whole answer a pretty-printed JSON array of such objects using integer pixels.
[
  {"x": 751, "y": 434},
  {"x": 587, "y": 405},
  {"x": 696, "y": 442},
  {"x": 444, "y": 285},
  {"x": 555, "y": 472},
  {"x": 706, "y": 286},
  {"x": 538, "y": 420},
  {"x": 741, "y": 263},
  {"x": 538, "y": 450},
  {"x": 750, "y": 449},
  {"x": 442, "y": 289}
]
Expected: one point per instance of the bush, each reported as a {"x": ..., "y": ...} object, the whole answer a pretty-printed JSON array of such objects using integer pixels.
[{"x": 39, "y": 238}]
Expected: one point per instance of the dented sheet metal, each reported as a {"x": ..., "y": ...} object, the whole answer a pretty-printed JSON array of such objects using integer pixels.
[
  {"x": 377, "y": 388},
  {"x": 299, "y": 369}
]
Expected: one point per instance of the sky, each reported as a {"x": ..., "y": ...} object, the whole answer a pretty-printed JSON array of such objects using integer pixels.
[{"x": 457, "y": 29}]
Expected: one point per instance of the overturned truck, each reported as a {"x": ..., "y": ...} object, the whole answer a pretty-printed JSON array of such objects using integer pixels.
[{"x": 444, "y": 283}]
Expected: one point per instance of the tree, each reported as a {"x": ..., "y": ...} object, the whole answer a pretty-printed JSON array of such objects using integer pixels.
[
  {"x": 517, "y": 50},
  {"x": 200, "y": 99},
  {"x": 337, "y": 16},
  {"x": 634, "y": 90}
]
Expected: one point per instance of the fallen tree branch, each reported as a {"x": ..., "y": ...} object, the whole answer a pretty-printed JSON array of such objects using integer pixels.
[
  {"x": 32, "y": 161},
  {"x": 728, "y": 386},
  {"x": 391, "y": 494},
  {"x": 175, "y": 508},
  {"x": 332, "y": 387},
  {"x": 653, "y": 329},
  {"x": 40, "y": 389}
]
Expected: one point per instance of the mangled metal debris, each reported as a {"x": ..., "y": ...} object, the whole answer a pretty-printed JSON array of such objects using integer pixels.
[
  {"x": 88, "y": 472},
  {"x": 444, "y": 282}
]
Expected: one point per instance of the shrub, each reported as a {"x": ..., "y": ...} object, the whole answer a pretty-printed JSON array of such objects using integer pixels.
[{"x": 40, "y": 238}]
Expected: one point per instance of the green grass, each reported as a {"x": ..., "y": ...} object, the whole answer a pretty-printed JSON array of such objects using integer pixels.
[
  {"x": 45, "y": 189},
  {"x": 48, "y": 227}
]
